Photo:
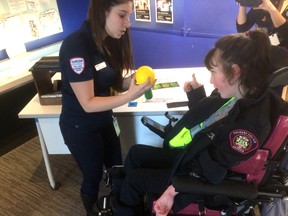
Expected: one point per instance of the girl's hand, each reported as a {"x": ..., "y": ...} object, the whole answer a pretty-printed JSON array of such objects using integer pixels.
[
  {"x": 164, "y": 204},
  {"x": 193, "y": 84}
]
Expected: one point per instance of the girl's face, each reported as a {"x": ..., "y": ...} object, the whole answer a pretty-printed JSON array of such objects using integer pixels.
[
  {"x": 117, "y": 20},
  {"x": 226, "y": 88}
]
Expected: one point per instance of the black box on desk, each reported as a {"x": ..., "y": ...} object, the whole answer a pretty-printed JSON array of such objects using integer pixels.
[{"x": 42, "y": 71}]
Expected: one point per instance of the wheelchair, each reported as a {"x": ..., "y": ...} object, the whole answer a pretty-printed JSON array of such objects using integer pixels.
[{"x": 261, "y": 179}]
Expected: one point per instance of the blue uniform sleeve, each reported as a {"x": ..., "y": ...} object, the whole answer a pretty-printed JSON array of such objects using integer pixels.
[{"x": 75, "y": 62}]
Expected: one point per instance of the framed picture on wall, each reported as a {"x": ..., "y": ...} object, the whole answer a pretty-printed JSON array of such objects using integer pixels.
[
  {"x": 142, "y": 10},
  {"x": 26, "y": 21},
  {"x": 164, "y": 11}
]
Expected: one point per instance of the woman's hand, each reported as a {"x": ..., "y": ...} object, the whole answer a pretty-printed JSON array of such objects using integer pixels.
[
  {"x": 266, "y": 5},
  {"x": 136, "y": 90},
  {"x": 276, "y": 16},
  {"x": 193, "y": 84},
  {"x": 84, "y": 92},
  {"x": 163, "y": 205}
]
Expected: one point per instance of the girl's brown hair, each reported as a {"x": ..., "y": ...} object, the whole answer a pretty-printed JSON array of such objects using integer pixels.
[{"x": 251, "y": 52}]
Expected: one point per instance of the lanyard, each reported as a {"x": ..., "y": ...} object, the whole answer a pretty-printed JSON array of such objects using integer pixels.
[
  {"x": 185, "y": 136},
  {"x": 219, "y": 114}
]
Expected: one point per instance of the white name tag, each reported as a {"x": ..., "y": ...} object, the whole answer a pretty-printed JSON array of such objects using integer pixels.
[
  {"x": 274, "y": 40},
  {"x": 100, "y": 66},
  {"x": 116, "y": 126}
]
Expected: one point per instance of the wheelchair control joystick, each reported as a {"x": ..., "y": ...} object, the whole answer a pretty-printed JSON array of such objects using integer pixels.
[{"x": 171, "y": 120}]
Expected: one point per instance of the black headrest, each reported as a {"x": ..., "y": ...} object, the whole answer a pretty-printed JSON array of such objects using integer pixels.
[{"x": 279, "y": 78}]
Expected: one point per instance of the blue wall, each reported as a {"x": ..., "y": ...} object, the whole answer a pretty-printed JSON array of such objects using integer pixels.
[
  {"x": 197, "y": 25},
  {"x": 161, "y": 50}
]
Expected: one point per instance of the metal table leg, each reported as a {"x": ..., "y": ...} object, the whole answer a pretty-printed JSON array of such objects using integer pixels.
[{"x": 54, "y": 185}]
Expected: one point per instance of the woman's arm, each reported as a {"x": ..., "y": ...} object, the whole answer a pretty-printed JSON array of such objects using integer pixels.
[
  {"x": 246, "y": 20},
  {"x": 282, "y": 32},
  {"x": 242, "y": 16},
  {"x": 276, "y": 16},
  {"x": 126, "y": 82},
  {"x": 85, "y": 95}
]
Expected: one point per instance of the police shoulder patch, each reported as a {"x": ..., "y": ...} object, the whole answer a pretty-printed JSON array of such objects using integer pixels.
[
  {"x": 243, "y": 141},
  {"x": 77, "y": 64}
]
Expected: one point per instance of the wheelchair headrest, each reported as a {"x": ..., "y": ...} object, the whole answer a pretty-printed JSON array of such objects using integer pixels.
[{"x": 279, "y": 78}]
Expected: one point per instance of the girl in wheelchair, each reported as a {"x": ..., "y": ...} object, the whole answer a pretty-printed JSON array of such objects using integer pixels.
[{"x": 216, "y": 133}]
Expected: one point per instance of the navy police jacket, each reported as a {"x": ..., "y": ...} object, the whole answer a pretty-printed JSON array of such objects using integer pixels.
[{"x": 225, "y": 143}]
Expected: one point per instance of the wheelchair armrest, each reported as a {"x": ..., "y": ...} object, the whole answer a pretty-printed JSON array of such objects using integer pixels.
[{"x": 230, "y": 188}]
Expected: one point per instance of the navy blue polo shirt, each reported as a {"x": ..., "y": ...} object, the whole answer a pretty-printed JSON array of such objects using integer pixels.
[{"x": 80, "y": 60}]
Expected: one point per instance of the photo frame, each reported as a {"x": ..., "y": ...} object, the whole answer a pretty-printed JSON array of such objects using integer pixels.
[
  {"x": 164, "y": 11},
  {"x": 142, "y": 10}
]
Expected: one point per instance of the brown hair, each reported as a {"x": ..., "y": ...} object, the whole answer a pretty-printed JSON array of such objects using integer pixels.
[
  {"x": 251, "y": 52},
  {"x": 118, "y": 51}
]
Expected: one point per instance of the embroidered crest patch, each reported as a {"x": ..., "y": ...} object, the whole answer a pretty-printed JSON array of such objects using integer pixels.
[
  {"x": 243, "y": 141},
  {"x": 77, "y": 64}
]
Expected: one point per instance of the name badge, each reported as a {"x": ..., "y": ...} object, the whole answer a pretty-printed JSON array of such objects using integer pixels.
[
  {"x": 100, "y": 66},
  {"x": 274, "y": 40},
  {"x": 116, "y": 126}
]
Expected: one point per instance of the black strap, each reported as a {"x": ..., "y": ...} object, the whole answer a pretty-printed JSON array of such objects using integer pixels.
[{"x": 201, "y": 207}]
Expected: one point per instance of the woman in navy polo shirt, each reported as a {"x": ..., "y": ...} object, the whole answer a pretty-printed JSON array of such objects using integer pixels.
[{"x": 92, "y": 62}]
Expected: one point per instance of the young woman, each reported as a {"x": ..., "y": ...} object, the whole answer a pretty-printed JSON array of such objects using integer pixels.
[
  {"x": 216, "y": 133},
  {"x": 270, "y": 16},
  {"x": 93, "y": 61}
]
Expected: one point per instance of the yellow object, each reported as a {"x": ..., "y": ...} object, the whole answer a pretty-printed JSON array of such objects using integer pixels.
[
  {"x": 182, "y": 139},
  {"x": 143, "y": 73}
]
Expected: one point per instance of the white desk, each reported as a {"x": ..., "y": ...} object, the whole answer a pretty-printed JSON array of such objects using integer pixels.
[{"x": 129, "y": 118}]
